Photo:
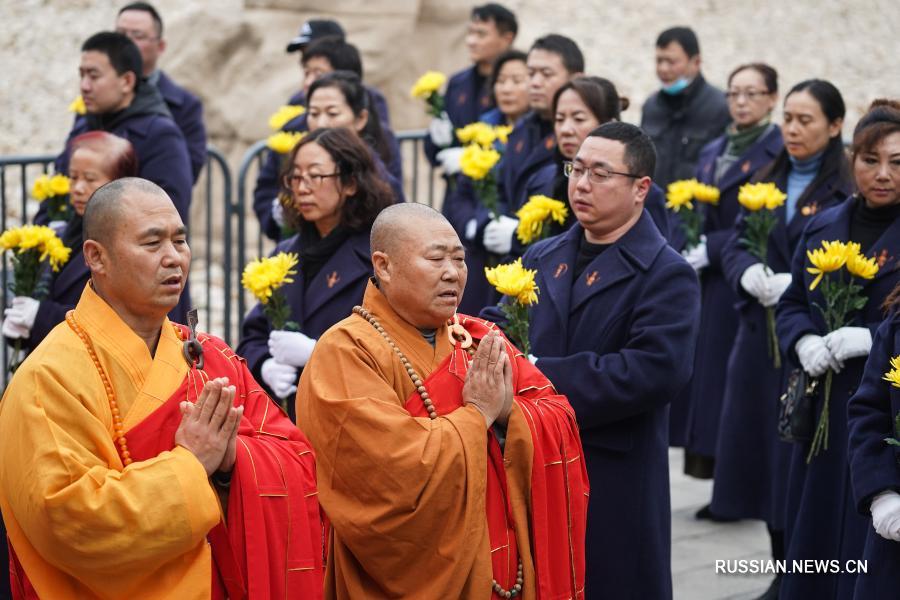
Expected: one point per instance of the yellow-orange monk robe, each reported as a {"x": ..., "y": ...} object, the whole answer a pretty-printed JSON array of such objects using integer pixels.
[
  {"x": 410, "y": 498},
  {"x": 82, "y": 525}
]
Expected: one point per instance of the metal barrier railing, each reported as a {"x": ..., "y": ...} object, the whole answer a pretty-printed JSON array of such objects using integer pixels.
[{"x": 221, "y": 216}]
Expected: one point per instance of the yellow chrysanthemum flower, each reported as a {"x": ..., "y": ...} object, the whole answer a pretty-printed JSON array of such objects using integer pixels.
[
  {"x": 860, "y": 266},
  {"x": 476, "y": 162},
  {"x": 477, "y": 133},
  {"x": 893, "y": 376},
  {"x": 827, "y": 259},
  {"x": 263, "y": 276},
  {"x": 535, "y": 214},
  {"x": 284, "y": 141},
  {"x": 756, "y": 196},
  {"x": 428, "y": 84},
  {"x": 515, "y": 281},
  {"x": 36, "y": 237},
  {"x": 708, "y": 194},
  {"x": 77, "y": 106},
  {"x": 502, "y": 132},
  {"x": 679, "y": 194},
  {"x": 41, "y": 190},
  {"x": 284, "y": 114},
  {"x": 59, "y": 185}
]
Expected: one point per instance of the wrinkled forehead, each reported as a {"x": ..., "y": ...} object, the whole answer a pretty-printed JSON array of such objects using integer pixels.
[
  {"x": 420, "y": 236},
  {"x": 140, "y": 214}
]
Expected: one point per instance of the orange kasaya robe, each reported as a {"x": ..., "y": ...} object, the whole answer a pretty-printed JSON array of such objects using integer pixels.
[
  {"x": 83, "y": 525},
  {"x": 425, "y": 508}
]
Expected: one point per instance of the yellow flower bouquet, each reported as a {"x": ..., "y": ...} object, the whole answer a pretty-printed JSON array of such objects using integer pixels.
[
  {"x": 893, "y": 377},
  {"x": 263, "y": 278},
  {"x": 483, "y": 134},
  {"x": 477, "y": 163},
  {"x": 77, "y": 105},
  {"x": 55, "y": 192},
  {"x": 31, "y": 246},
  {"x": 284, "y": 114},
  {"x": 761, "y": 200},
  {"x": 428, "y": 88},
  {"x": 516, "y": 283},
  {"x": 536, "y": 215},
  {"x": 283, "y": 142},
  {"x": 843, "y": 296},
  {"x": 681, "y": 195}
]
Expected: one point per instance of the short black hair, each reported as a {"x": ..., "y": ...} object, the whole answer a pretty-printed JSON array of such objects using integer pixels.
[
  {"x": 147, "y": 8},
  {"x": 640, "y": 154},
  {"x": 566, "y": 48},
  {"x": 503, "y": 18},
  {"x": 339, "y": 54},
  {"x": 683, "y": 36},
  {"x": 123, "y": 54}
]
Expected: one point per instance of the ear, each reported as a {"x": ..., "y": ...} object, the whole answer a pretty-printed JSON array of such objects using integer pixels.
[
  {"x": 381, "y": 265},
  {"x": 835, "y": 127},
  {"x": 95, "y": 257},
  {"x": 349, "y": 189},
  {"x": 362, "y": 119},
  {"x": 508, "y": 38},
  {"x": 162, "y": 45},
  {"x": 128, "y": 80},
  {"x": 641, "y": 189}
]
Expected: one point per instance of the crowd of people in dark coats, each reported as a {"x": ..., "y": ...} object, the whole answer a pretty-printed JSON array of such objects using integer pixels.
[{"x": 656, "y": 340}]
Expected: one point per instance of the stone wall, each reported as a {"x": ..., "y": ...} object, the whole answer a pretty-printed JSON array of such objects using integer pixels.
[{"x": 231, "y": 52}]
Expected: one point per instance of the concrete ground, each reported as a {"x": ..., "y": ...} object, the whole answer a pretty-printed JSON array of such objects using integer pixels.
[{"x": 697, "y": 544}]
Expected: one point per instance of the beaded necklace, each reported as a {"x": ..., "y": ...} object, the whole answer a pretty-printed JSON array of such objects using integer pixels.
[{"x": 458, "y": 334}]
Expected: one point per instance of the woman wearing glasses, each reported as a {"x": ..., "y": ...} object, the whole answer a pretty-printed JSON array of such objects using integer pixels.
[
  {"x": 751, "y": 461},
  {"x": 336, "y": 193},
  {"x": 749, "y": 143}
]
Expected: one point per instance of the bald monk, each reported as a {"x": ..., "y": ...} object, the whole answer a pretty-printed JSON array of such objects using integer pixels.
[
  {"x": 138, "y": 460},
  {"x": 446, "y": 473}
]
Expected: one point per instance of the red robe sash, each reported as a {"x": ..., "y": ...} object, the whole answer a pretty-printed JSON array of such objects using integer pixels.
[
  {"x": 272, "y": 545},
  {"x": 559, "y": 483}
]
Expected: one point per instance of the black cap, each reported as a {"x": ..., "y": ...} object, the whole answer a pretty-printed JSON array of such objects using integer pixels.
[{"x": 314, "y": 29}]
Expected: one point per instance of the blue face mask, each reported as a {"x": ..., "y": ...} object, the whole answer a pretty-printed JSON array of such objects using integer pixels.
[{"x": 677, "y": 86}]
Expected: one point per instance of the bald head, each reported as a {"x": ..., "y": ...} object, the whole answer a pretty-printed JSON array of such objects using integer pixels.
[
  {"x": 107, "y": 206},
  {"x": 397, "y": 223}
]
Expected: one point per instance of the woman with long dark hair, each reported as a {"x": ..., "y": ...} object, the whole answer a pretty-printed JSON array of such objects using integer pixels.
[
  {"x": 96, "y": 158},
  {"x": 823, "y": 520},
  {"x": 335, "y": 193}
]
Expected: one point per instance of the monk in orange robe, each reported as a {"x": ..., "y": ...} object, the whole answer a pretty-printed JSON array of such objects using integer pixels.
[
  {"x": 140, "y": 460},
  {"x": 446, "y": 471}
]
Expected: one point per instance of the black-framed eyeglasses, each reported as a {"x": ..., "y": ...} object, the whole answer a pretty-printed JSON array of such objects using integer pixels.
[
  {"x": 750, "y": 95},
  {"x": 138, "y": 36},
  {"x": 595, "y": 175},
  {"x": 310, "y": 179}
]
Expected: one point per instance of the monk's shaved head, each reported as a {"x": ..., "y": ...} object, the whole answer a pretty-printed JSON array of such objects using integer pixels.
[
  {"x": 397, "y": 223},
  {"x": 106, "y": 207}
]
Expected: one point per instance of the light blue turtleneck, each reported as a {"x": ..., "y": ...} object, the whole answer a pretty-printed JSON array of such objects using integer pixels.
[{"x": 800, "y": 176}]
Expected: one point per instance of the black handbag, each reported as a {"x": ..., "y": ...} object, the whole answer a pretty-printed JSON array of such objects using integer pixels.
[{"x": 796, "y": 408}]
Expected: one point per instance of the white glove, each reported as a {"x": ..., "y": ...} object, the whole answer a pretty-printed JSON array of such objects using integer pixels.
[
  {"x": 278, "y": 212},
  {"x": 441, "y": 131},
  {"x": 814, "y": 355},
  {"x": 849, "y": 342},
  {"x": 279, "y": 377},
  {"x": 886, "y": 515},
  {"x": 58, "y": 226},
  {"x": 14, "y": 330},
  {"x": 23, "y": 311},
  {"x": 449, "y": 159},
  {"x": 697, "y": 256},
  {"x": 498, "y": 234},
  {"x": 755, "y": 281},
  {"x": 290, "y": 347},
  {"x": 775, "y": 286},
  {"x": 533, "y": 359}
]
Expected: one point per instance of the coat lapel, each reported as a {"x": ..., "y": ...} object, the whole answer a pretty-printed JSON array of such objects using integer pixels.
[
  {"x": 346, "y": 267},
  {"x": 556, "y": 265},
  {"x": 760, "y": 154},
  {"x": 886, "y": 251}
]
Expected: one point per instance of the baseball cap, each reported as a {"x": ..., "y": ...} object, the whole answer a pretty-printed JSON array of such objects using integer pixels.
[{"x": 313, "y": 29}]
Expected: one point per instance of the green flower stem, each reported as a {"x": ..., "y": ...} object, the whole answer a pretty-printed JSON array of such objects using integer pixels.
[
  {"x": 277, "y": 310},
  {"x": 756, "y": 240},
  {"x": 691, "y": 224},
  {"x": 517, "y": 324},
  {"x": 820, "y": 438},
  {"x": 436, "y": 104},
  {"x": 774, "y": 351}
]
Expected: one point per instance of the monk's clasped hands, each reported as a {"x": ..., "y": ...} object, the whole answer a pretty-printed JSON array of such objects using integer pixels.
[
  {"x": 488, "y": 384},
  {"x": 209, "y": 427}
]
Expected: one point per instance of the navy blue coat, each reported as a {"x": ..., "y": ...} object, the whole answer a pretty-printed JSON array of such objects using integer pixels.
[
  {"x": 63, "y": 292},
  {"x": 467, "y": 97},
  {"x": 695, "y": 414},
  {"x": 619, "y": 343},
  {"x": 268, "y": 181},
  {"x": 822, "y": 517},
  {"x": 751, "y": 461},
  {"x": 328, "y": 298},
  {"x": 875, "y": 466},
  {"x": 187, "y": 112},
  {"x": 161, "y": 151}
]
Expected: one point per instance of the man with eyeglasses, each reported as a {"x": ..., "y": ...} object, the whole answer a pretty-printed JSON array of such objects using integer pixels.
[
  {"x": 614, "y": 330},
  {"x": 141, "y": 22}
]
